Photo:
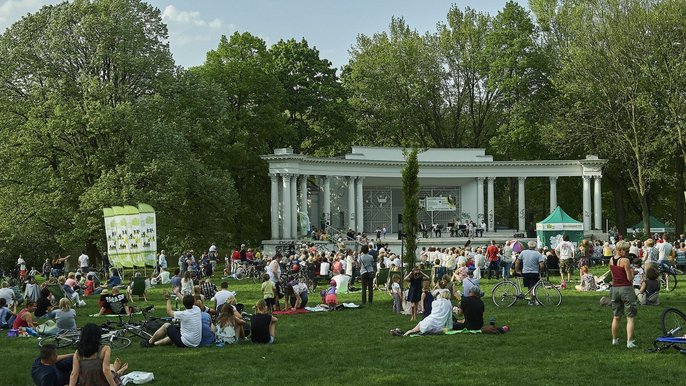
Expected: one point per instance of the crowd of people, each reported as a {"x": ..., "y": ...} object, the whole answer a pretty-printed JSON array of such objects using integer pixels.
[{"x": 433, "y": 285}]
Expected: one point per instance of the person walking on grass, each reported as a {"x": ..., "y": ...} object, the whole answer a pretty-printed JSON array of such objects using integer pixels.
[
  {"x": 624, "y": 299},
  {"x": 565, "y": 252}
]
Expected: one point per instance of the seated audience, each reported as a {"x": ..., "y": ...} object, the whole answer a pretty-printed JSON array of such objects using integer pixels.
[
  {"x": 229, "y": 325},
  {"x": 50, "y": 369},
  {"x": 649, "y": 293},
  {"x": 116, "y": 303},
  {"x": 190, "y": 332},
  {"x": 91, "y": 361},
  {"x": 65, "y": 316},
  {"x": 262, "y": 324}
]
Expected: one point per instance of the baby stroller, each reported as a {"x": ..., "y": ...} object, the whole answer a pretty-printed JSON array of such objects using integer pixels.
[{"x": 603, "y": 281}]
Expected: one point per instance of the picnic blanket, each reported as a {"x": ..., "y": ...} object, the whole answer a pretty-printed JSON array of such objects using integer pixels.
[
  {"x": 319, "y": 308},
  {"x": 452, "y": 332}
]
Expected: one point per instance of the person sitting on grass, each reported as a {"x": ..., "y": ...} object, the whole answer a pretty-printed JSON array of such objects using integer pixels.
[
  {"x": 69, "y": 291},
  {"x": 190, "y": 332},
  {"x": 472, "y": 308},
  {"x": 439, "y": 319},
  {"x": 208, "y": 288},
  {"x": 116, "y": 303},
  {"x": 221, "y": 296},
  {"x": 25, "y": 317},
  {"x": 649, "y": 293},
  {"x": 50, "y": 369},
  {"x": 65, "y": 316},
  {"x": 262, "y": 324},
  {"x": 44, "y": 305},
  {"x": 115, "y": 279},
  {"x": 208, "y": 329},
  {"x": 91, "y": 288},
  {"x": 6, "y": 317},
  {"x": 91, "y": 361},
  {"x": 229, "y": 325},
  {"x": 587, "y": 280},
  {"x": 129, "y": 289}
]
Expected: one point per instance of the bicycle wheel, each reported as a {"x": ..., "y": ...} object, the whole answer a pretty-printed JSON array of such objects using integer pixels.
[
  {"x": 673, "y": 322},
  {"x": 504, "y": 294},
  {"x": 116, "y": 342},
  {"x": 59, "y": 341},
  {"x": 547, "y": 294},
  {"x": 668, "y": 281}
]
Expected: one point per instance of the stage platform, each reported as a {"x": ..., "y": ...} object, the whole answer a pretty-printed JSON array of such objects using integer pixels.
[{"x": 394, "y": 244}]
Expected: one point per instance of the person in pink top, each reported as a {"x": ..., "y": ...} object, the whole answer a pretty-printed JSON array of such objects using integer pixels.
[{"x": 624, "y": 299}]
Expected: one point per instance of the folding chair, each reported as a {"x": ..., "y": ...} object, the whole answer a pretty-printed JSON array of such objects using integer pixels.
[
  {"x": 58, "y": 293},
  {"x": 138, "y": 289}
]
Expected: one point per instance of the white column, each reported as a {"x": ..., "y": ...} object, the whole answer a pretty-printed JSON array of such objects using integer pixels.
[
  {"x": 491, "y": 198},
  {"x": 553, "y": 194},
  {"x": 587, "y": 203},
  {"x": 303, "y": 197},
  {"x": 522, "y": 205},
  {"x": 359, "y": 200},
  {"x": 275, "y": 205},
  {"x": 294, "y": 207},
  {"x": 351, "y": 202},
  {"x": 597, "y": 204},
  {"x": 327, "y": 201},
  {"x": 479, "y": 200},
  {"x": 286, "y": 205}
]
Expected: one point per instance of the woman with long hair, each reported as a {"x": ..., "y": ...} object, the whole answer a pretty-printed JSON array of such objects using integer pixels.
[{"x": 92, "y": 361}]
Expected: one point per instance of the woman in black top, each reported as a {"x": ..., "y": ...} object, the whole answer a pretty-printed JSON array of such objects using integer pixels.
[{"x": 44, "y": 306}]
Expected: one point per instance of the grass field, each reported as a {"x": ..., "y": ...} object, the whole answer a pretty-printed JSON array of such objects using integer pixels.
[{"x": 566, "y": 345}]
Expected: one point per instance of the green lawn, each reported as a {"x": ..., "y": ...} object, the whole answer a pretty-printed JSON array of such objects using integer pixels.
[{"x": 570, "y": 344}]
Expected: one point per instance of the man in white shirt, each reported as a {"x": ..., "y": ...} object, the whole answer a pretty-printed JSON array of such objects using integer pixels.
[
  {"x": 22, "y": 267},
  {"x": 190, "y": 333},
  {"x": 565, "y": 252},
  {"x": 83, "y": 261},
  {"x": 162, "y": 260},
  {"x": 222, "y": 296},
  {"x": 664, "y": 251}
]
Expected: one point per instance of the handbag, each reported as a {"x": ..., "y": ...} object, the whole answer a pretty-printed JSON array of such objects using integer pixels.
[{"x": 48, "y": 328}]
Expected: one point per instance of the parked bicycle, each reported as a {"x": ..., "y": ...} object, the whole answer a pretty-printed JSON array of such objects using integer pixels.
[
  {"x": 507, "y": 292},
  {"x": 112, "y": 338},
  {"x": 142, "y": 329},
  {"x": 667, "y": 277}
]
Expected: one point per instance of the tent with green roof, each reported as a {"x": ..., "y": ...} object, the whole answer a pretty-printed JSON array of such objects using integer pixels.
[
  {"x": 656, "y": 226},
  {"x": 550, "y": 230}
]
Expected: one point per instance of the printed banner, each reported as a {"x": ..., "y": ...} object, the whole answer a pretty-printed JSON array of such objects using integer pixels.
[
  {"x": 432, "y": 204},
  {"x": 148, "y": 234},
  {"x": 131, "y": 235}
]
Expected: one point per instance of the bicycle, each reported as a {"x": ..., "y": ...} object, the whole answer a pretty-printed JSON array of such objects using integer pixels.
[
  {"x": 140, "y": 329},
  {"x": 507, "y": 292},
  {"x": 667, "y": 277},
  {"x": 67, "y": 338}
]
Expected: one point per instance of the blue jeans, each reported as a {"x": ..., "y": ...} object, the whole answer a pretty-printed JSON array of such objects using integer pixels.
[
  {"x": 506, "y": 270},
  {"x": 303, "y": 300}
]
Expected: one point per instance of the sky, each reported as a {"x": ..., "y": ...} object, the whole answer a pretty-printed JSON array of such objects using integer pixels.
[{"x": 331, "y": 26}]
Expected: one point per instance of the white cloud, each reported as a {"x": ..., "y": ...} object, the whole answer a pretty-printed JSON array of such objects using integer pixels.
[
  {"x": 13, "y": 10},
  {"x": 173, "y": 14}
]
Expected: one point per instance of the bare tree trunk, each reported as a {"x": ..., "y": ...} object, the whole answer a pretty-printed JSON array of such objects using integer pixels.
[
  {"x": 619, "y": 202},
  {"x": 645, "y": 214},
  {"x": 679, "y": 196}
]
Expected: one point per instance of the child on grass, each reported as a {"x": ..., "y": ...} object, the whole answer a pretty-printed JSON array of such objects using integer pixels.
[
  {"x": 649, "y": 293},
  {"x": 331, "y": 299},
  {"x": 395, "y": 291},
  {"x": 587, "y": 280},
  {"x": 426, "y": 299},
  {"x": 414, "y": 295},
  {"x": 268, "y": 292}
]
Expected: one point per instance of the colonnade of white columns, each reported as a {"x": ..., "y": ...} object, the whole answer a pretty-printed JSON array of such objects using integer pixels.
[
  {"x": 521, "y": 198},
  {"x": 286, "y": 204}
]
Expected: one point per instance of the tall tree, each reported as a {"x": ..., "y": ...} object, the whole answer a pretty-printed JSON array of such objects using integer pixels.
[
  {"x": 315, "y": 105},
  {"x": 606, "y": 100},
  {"x": 72, "y": 79},
  {"x": 410, "y": 206}
]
